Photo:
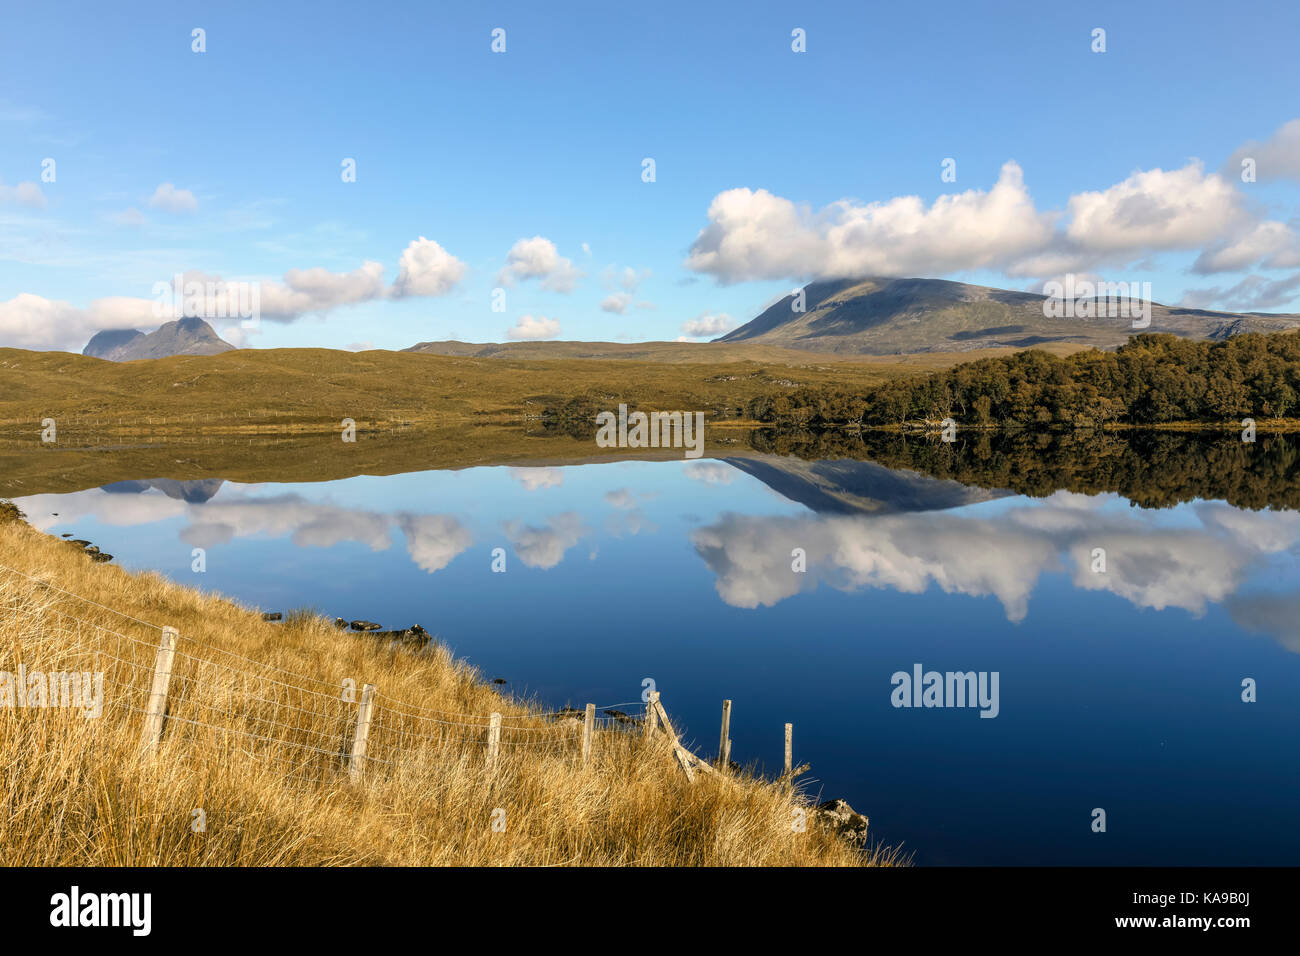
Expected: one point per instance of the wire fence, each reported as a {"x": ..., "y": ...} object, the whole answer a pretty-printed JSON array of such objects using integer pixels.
[{"x": 304, "y": 728}]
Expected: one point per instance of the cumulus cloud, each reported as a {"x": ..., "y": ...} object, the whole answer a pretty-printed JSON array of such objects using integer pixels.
[
  {"x": 617, "y": 303},
  {"x": 533, "y": 328},
  {"x": 708, "y": 324},
  {"x": 537, "y": 258},
  {"x": 318, "y": 290},
  {"x": 426, "y": 269},
  {"x": 1277, "y": 615},
  {"x": 544, "y": 548},
  {"x": 33, "y": 322},
  {"x": 170, "y": 199},
  {"x": 1155, "y": 209},
  {"x": 1271, "y": 245},
  {"x": 27, "y": 194},
  {"x": 533, "y": 479},
  {"x": 1150, "y": 564},
  {"x": 1254, "y": 293},
  {"x": 753, "y": 234},
  {"x": 433, "y": 541},
  {"x": 129, "y": 217},
  {"x": 710, "y": 472},
  {"x": 1277, "y": 157}
]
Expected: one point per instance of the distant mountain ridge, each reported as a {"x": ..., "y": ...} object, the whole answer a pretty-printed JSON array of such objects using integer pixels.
[
  {"x": 901, "y": 316},
  {"x": 188, "y": 336}
]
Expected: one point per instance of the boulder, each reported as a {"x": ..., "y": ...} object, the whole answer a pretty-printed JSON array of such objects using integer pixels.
[
  {"x": 364, "y": 626},
  {"x": 273, "y": 616},
  {"x": 843, "y": 819}
]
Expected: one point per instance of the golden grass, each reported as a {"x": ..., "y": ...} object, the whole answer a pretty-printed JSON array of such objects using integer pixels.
[{"x": 78, "y": 791}]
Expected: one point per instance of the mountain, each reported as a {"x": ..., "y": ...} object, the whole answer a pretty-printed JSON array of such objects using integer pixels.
[
  {"x": 189, "y": 336},
  {"x": 844, "y": 486},
  {"x": 192, "y": 492},
  {"x": 897, "y": 316}
]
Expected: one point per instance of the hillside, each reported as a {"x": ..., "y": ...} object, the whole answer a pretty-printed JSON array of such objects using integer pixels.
[
  {"x": 897, "y": 316},
  {"x": 188, "y": 336},
  {"x": 325, "y": 385}
]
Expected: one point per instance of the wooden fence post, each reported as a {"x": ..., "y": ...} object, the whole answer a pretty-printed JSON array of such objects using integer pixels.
[
  {"x": 789, "y": 748},
  {"x": 156, "y": 707},
  {"x": 724, "y": 741},
  {"x": 588, "y": 723},
  {"x": 494, "y": 741},
  {"x": 651, "y": 714},
  {"x": 365, "y": 711}
]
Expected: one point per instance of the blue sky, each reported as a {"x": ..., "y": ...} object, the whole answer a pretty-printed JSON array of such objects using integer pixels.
[{"x": 796, "y": 165}]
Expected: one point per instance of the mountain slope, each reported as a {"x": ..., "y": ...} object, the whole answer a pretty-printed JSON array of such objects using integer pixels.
[
  {"x": 189, "y": 336},
  {"x": 894, "y": 316}
]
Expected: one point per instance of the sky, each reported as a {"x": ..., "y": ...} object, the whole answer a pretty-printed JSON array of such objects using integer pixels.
[{"x": 507, "y": 196}]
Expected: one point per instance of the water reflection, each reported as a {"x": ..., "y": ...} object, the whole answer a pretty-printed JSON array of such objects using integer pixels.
[{"x": 860, "y": 526}]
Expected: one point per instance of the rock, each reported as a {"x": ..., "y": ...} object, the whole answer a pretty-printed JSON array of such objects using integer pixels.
[
  {"x": 499, "y": 680},
  {"x": 101, "y": 556},
  {"x": 364, "y": 626},
  {"x": 415, "y": 636},
  {"x": 340, "y": 623},
  {"x": 843, "y": 819},
  {"x": 66, "y": 535},
  {"x": 90, "y": 549},
  {"x": 273, "y": 616},
  {"x": 80, "y": 542},
  {"x": 571, "y": 716}
]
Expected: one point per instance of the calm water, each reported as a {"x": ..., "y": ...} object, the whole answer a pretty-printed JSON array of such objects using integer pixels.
[{"x": 1120, "y": 690}]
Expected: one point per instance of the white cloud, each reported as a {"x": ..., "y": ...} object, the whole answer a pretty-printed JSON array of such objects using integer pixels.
[
  {"x": 531, "y": 329},
  {"x": 318, "y": 290},
  {"x": 129, "y": 217},
  {"x": 33, "y": 322},
  {"x": 753, "y": 234},
  {"x": 617, "y": 303},
  {"x": 1277, "y": 157},
  {"x": 756, "y": 235},
  {"x": 533, "y": 479},
  {"x": 1272, "y": 245},
  {"x": 426, "y": 269},
  {"x": 545, "y": 547},
  {"x": 170, "y": 199},
  {"x": 1155, "y": 210},
  {"x": 433, "y": 541},
  {"x": 708, "y": 324},
  {"x": 1254, "y": 293},
  {"x": 1149, "y": 563},
  {"x": 537, "y": 258},
  {"x": 24, "y": 194},
  {"x": 710, "y": 472}
]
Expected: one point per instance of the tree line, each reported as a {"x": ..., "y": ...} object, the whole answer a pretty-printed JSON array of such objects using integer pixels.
[
  {"x": 1152, "y": 469},
  {"x": 1153, "y": 378}
]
